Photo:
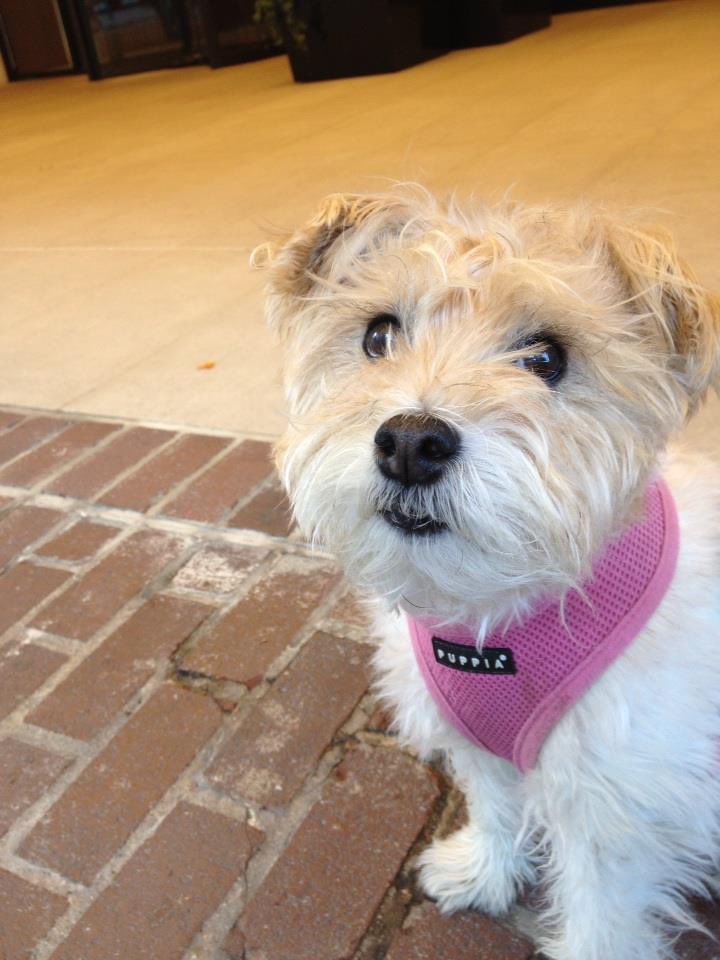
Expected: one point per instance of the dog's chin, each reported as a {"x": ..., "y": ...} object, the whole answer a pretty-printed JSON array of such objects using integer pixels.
[{"x": 412, "y": 526}]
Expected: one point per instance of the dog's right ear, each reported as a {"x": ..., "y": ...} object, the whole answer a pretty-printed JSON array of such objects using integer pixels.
[
  {"x": 665, "y": 291},
  {"x": 298, "y": 261}
]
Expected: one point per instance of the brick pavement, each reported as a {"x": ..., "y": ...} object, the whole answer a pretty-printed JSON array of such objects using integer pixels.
[{"x": 192, "y": 765}]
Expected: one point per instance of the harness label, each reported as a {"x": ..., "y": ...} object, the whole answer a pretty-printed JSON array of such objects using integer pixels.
[{"x": 456, "y": 656}]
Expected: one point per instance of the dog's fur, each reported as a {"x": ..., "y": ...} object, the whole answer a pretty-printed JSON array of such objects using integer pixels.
[{"x": 621, "y": 814}]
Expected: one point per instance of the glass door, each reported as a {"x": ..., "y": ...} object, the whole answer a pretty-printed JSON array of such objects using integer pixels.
[{"x": 129, "y": 36}]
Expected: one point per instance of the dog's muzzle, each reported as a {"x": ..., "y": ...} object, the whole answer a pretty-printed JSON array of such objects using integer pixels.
[
  {"x": 414, "y": 451},
  {"x": 422, "y": 526}
]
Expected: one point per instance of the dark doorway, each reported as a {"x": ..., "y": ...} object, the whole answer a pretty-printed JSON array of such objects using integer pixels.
[
  {"x": 105, "y": 38},
  {"x": 129, "y": 36}
]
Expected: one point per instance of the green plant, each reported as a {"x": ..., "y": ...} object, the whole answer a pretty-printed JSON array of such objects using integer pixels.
[{"x": 282, "y": 22}]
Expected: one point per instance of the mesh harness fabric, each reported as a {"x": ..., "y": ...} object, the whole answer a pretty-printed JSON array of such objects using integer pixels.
[{"x": 508, "y": 697}]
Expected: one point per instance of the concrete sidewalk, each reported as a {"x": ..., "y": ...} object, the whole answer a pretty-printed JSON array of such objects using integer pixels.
[{"x": 130, "y": 207}]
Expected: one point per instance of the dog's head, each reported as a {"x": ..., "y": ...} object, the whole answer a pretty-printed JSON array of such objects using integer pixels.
[{"x": 477, "y": 397}]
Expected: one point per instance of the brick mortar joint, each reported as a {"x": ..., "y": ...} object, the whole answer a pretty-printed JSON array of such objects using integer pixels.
[
  {"x": 15, "y": 723},
  {"x": 26, "y": 552},
  {"x": 136, "y": 465},
  {"x": 281, "y": 824},
  {"x": 14, "y": 631},
  {"x": 55, "y": 641},
  {"x": 191, "y": 429},
  {"x": 29, "y": 819},
  {"x": 311, "y": 626},
  {"x": 263, "y": 569},
  {"x": 49, "y": 740},
  {"x": 404, "y": 887},
  {"x": 189, "y": 677},
  {"x": 294, "y": 812},
  {"x": 36, "y": 444},
  {"x": 123, "y": 518},
  {"x": 88, "y": 752},
  {"x": 179, "y": 488},
  {"x": 153, "y": 587},
  {"x": 223, "y": 689},
  {"x": 75, "y": 575},
  {"x": 255, "y": 491},
  {"x": 75, "y": 567},
  {"x": 227, "y": 694},
  {"x": 66, "y": 465},
  {"x": 175, "y": 794}
]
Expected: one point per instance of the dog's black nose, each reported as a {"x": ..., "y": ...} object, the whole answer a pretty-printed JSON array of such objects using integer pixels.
[{"x": 415, "y": 449}]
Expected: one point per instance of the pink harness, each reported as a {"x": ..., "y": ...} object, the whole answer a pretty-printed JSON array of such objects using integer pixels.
[{"x": 508, "y": 696}]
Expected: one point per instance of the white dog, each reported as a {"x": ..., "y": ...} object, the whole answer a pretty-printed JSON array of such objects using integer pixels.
[{"x": 480, "y": 402}]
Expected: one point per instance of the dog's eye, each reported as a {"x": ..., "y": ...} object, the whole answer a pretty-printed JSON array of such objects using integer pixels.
[
  {"x": 380, "y": 335},
  {"x": 547, "y": 358}
]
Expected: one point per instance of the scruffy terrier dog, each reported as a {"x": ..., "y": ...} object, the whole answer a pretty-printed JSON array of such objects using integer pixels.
[{"x": 480, "y": 401}]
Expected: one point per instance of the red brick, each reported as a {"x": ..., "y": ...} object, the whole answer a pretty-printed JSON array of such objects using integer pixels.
[
  {"x": 8, "y": 419},
  {"x": 27, "y": 772},
  {"x": 166, "y": 890},
  {"x": 462, "y": 936},
  {"x": 88, "y": 604},
  {"x": 149, "y": 483},
  {"x": 102, "y": 684},
  {"x": 211, "y": 495},
  {"x": 96, "y": 471},
  {"x": 96, "y": 815},
  {"x": 27, "y": 914},
  {"x": 27, "y": 434},
  {"x": 47, "y": 458},
  {"x": 351, "y": 612},
  {"x": 284, "y": 735},
  {"x": 269, "y": 511},
  {"x": 219, "y": 568},
  {"x": 23, "y": 668},
  {"x": 244, "y": 643},
  {"x": 21, "y": 527},
  {"x": 320, "y": 896},
  {"x": 80, "y": 541},
  {"x": 23, "y": 587}
]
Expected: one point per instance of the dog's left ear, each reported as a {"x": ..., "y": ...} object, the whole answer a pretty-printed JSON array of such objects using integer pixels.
[
  {"x": 664, "y": 288},
  {"x": 298, "y": 261}
]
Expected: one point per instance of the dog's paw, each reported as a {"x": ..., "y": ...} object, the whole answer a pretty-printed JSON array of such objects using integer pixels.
[{"x": 471, "y": 869}]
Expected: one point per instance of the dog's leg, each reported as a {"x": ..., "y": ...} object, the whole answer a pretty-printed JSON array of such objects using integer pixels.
[
  {"x": 626, "y": 841},
  {"x": 601, "y": 891},
  {"x": 479, "y": 865},
  {"x": 482, "y": 865}
]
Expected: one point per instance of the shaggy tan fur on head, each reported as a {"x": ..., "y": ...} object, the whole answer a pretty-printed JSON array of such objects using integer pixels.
[
  {"x": 546, "y": 472},
  {"x": 666, "y": 289}
]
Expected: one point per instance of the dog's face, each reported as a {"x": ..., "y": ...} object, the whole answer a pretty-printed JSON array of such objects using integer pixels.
[{"x": 477, "y": 398}]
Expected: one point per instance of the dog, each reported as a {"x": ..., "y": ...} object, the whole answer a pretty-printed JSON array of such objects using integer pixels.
[{"x": 481, "y": 400}]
